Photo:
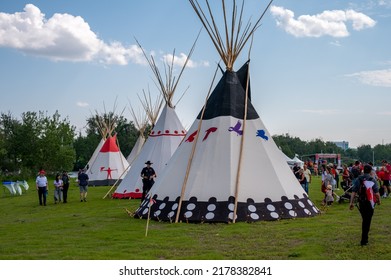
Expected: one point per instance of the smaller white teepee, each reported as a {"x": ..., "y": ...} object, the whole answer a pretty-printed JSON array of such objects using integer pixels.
[
  {"x": 165, "y": 136},
  {"x": 107, "y": 163},
  {"x": 152, "y": 110},
  {"x": 105, "y": 131}
]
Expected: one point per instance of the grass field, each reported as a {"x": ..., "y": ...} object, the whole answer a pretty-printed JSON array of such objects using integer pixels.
[{"x": 100, "y": 229}]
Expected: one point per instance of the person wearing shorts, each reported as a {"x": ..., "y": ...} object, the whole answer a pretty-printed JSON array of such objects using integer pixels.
[{"x": 83, "y": 185}]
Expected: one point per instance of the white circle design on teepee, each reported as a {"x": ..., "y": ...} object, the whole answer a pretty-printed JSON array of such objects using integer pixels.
[
  {"x": 209, "y": 216},
  {"x": 252, "y": 208},
  {"x": 191, "y": 206},
  {"x": 271, "y": 208},
  {"x": 162, "y": 206},
  {"x": 211, "y": 207},
  {"x": 274, "y": 215},
  {"x": 288, "y": 206},
  {"x": 188, "y": 214},
  {"x": 293, "y": 213},
  {"x": 254, "y": 216}
]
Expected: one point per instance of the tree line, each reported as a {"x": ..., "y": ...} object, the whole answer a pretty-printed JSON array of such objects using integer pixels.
[
  {"x": 291, "y": 145},
  {"x": 37, "y": 141}
]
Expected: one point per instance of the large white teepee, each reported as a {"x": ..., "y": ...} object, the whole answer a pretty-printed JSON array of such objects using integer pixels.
[
  {"x": 164, "y": 138},
  {"x": 108, "y": 165},
  {"x": 228, "y": 168}
]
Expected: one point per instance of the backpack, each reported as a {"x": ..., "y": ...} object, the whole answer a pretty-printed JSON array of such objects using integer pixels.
[
  {"x": 362, "y": 191},
  {"x": 365, "y": 192}
]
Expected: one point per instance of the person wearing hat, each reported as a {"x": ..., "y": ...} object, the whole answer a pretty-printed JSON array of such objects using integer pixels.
[
  {"x": 41, "y": 183},
  {"x": 148, "y": 174}
]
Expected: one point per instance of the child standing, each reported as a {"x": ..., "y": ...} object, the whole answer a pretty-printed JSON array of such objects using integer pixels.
[{"x": 58, "y": 189}]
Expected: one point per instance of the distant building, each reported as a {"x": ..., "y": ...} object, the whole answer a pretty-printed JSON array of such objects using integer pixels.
[{"x": 344, "y": 145}]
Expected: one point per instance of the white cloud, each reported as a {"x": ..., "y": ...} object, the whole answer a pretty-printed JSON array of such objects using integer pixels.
[
  {"x": 62, "y": 37},
  {"x": 181, "y": 59},
  {"x": 320, "y": 111},
  {"x": 82, "y": 104},
  {"x": 328, "y": 23},
  {"x": 379, "y": 78}
]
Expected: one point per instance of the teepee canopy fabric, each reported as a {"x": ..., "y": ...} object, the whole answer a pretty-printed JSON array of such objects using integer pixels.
[
  {"x": 228, "y": 167},
  {"x": 297, "y": 161},
  {"x": 108, "y": 165},
  {"x": 136, "y": 149},
  {"x": 207, "y": 185}
]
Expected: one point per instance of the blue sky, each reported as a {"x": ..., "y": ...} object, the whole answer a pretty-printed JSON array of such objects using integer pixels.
[{"x": 319, "y": 68}]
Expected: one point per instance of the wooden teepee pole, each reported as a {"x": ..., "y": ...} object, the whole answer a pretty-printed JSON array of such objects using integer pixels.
[
  {"x": 189, "y": 163},
  {"x": 237, "y": 186}
]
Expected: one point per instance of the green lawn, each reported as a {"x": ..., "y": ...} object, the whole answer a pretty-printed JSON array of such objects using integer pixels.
[{"x": 100, "y": 229}]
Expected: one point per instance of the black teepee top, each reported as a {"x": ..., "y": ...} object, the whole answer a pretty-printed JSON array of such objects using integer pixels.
[{"x": 228, "y": 97}]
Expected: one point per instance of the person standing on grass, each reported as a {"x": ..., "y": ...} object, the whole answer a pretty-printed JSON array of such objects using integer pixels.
[
  {"x": 57, "y": 189},
  {"x": 41, "y": 183},
  {"x": 83, "y": 185},
  {"x": 302, "y": 180},
  {"x": 387, "y": 176},
  {"x": 148, "y": 174},
  {"x": 307, "y": 174},
  {"x": 365, "y": 186},
  {"x": 65, "y": 180}
]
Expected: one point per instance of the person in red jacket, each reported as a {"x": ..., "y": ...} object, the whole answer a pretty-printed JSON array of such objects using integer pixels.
[{"x": 387, "y": 176}]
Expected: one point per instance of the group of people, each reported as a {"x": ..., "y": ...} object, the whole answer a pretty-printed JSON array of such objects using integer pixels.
[
  {"x": 382, "y": 175},
  {"x": 330, "y": 182},
  {"x": 61, "y": 187},
  {"x": 364, "y": 184},
  {"x": 61, "y": 184}
]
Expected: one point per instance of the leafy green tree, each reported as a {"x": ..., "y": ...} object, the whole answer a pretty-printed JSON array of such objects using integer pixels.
[
  {"x": 382, "y": 152},
  {"x": 56, "y": 143},
  {"x": 349, "y": 156},
  {"x": 364, "y": 153},
  {"x": 13, "y": 142},
  {"x": 84, "y": 148},
  {"x": 37, "y": 141}
]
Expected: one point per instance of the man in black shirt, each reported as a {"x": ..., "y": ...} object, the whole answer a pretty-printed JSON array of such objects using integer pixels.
[{"x": 148, "y": 174}]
